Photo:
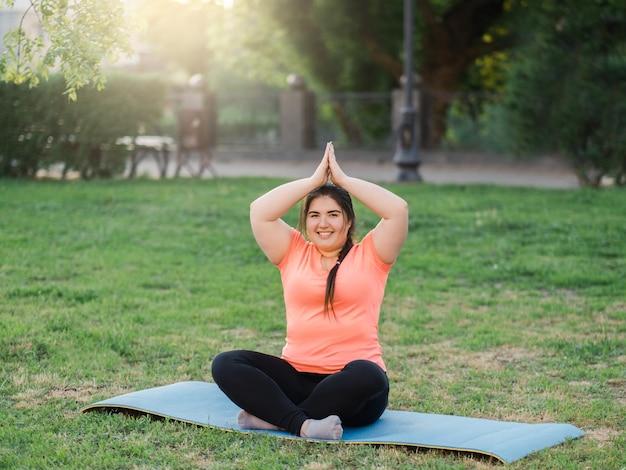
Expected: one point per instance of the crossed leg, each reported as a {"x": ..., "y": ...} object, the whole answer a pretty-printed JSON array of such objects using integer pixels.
[{"x": 308, "y": 405}]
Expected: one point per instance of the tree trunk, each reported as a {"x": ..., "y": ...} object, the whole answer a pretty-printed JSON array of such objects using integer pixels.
[
  {"x": 437, "y": 92},
  {"x": 450, "y": 44}
]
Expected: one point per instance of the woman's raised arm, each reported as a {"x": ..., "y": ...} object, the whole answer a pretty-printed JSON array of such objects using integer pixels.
[
  {"x": 271, "y": 232},
  {"x": 390, "y": 233}
]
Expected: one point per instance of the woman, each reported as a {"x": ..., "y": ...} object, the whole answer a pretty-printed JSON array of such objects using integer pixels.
[{"x": 331, "y": 372}]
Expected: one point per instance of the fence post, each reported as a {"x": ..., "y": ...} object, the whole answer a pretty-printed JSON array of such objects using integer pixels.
[
  {"x": 196, "y": 126},
  {"x": 397, "y": 100},
  {"x": 297, "y": 116}
]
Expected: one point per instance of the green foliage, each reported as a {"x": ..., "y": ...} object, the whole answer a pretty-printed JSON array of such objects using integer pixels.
[
  {"x": 40, "y": 127},
  {"x": 75, "y": 36},
  {"x": 477, "y": 122},
  {"x": 567, "y": 88},
  {"x": 505, "y": 303},
  {"x": 348, "y": 45},
  {"x": 353, "y": 120},
  {"x": 321, "y": 40}
]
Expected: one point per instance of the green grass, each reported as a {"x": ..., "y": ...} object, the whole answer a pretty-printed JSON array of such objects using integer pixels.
[{"x": 506, "y": 303}]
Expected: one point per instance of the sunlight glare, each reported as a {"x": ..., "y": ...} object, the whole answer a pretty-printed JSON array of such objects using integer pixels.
[{"x": 224, "y": 3}]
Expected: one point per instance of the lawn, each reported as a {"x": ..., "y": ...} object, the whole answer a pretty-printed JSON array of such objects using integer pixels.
[{"x": 506, "y": 303}]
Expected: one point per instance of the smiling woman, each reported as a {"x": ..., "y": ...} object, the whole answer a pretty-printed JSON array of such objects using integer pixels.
[{"x": 331, "y": 372}]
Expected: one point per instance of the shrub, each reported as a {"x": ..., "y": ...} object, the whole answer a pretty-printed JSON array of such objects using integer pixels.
[
  {"x": 568, "y": 89},
  {"x": 41, "y": 127}
]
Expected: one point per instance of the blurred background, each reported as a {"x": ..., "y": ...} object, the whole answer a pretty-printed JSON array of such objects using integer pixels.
[{"x": 499, "y": 79}]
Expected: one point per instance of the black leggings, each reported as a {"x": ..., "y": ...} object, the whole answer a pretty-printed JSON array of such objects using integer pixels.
[{"x": 269, "y": 388}]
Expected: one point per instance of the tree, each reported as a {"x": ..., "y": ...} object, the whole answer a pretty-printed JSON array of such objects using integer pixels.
[
  {"x": 338, "y": 46},
  {"x": 451, "y": 41},
  {"x": 74, "y": 35},
  {"x": 567, "y": 87},
  {"x": 357, "y": 46}
]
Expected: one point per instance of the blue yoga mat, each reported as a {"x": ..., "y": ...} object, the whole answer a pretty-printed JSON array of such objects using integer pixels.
[{"x": 204, "y": 404}]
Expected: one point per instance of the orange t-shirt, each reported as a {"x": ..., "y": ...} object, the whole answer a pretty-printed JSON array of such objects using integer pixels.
[{"x": 321, "y": 342}]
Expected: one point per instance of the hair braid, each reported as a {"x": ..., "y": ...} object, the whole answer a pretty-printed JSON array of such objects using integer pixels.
[{"x": 332, "y": 276}]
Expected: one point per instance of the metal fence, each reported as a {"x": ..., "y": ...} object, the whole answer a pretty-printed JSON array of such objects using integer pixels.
[
  {"x": 473, "y": 121},
  {"x": 356, "y": 120},
  {"x": 350, "y": 120},
  {"x": 248, "y": 119}
]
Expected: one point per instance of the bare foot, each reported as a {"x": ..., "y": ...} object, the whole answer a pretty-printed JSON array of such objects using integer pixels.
[
  {"x": 246, "y": 420},
  {"x": 327, "y": 428}
]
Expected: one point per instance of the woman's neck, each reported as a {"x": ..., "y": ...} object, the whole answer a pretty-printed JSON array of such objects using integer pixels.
[
  {"x": 327, "y": 262},
  {"x": 330, "y": 254}
]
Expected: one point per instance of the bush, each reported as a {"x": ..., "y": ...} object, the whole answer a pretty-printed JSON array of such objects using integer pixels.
[
  {"x": 478, "y": 126},
  {"x": 567, "y": 91},
  {"x": 41, "y": 127}
]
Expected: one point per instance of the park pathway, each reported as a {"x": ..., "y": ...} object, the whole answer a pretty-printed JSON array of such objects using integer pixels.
[{"x": 544, "y": 174}]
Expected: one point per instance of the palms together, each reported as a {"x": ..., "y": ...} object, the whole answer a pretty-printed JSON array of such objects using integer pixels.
[{"x": 329, "y": 168}]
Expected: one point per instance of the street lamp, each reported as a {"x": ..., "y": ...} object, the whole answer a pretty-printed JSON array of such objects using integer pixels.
[{"x": 407, "y": 154}]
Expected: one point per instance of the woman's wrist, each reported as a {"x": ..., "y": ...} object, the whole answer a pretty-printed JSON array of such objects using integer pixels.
[
  {"x": 344, "y": 181},
  {"x": 315, "y": 182}
]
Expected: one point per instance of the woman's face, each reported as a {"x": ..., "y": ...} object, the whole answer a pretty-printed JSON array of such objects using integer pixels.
[{"x": 326, "y": 225}]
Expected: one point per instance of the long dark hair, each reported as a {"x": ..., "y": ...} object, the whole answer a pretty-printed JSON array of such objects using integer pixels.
[{"x": 341, "y": 197}]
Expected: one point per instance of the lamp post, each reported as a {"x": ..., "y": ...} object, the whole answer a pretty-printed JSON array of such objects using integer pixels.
[{"x": 407, "y": 154}]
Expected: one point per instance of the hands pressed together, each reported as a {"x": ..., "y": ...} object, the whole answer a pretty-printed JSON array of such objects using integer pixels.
[{"x": 329, "y": 169}]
